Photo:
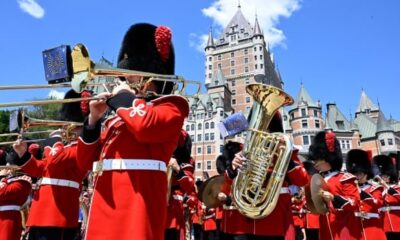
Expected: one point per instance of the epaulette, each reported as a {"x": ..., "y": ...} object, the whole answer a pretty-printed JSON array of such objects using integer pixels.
[
  {"x": 376, "y": 187},
  {"x": 347, "y": 176}
]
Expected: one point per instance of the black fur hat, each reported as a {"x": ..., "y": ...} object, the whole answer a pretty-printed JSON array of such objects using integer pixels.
[
  {"x": 183, "y": 151},
  {"x": 221, "y": 164},
  {"x": 148, "y": 48},
  {"x": 73, "y": 111},
  {"x": 358, "y": 162},
  {"x": 3, "y": 155},
  {"x": 386, "y": 167},
  {"x": 326, "y": 147}
]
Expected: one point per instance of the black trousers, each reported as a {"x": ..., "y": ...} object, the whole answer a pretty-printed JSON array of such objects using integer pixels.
[
  {"x": 52, "y": 233},
  {"x": 393, "y": 235},
  {"x": 252, "y": 237},
  {"x": 312, "y": 234},
  {"x": 171, "y": 234}
]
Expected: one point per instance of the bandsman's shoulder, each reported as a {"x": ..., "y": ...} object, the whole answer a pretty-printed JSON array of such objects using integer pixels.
[
  {"x": 347, "y": 177},
  {"x": 181, "y": 102}
]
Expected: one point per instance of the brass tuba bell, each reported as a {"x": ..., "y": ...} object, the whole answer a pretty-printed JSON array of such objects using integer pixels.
[{"x": 256, "y": 188}]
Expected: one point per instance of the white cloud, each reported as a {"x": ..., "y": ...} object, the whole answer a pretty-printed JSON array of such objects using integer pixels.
[
  {"x": 54, "y": 94},
  {"x": 198, "y": 42},
  {"x": 268, "y": 13},
  {"x": 31, "y": 7}
]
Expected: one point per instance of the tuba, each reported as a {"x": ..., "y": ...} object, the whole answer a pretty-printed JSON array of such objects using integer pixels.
[{"x": 256, "y": 189}]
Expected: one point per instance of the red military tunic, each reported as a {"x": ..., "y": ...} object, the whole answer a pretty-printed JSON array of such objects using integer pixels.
[
  {"x": 209, "y": 217},
  {"x": 281, "y": 216},
  {"x": 14, "y": 192},
  {"x": 391, "y": 209},
  {"x": 57, "y": 196},
  {"x": 180, "y": 187},
  {"x": 298, "y": 212},
  {"x": 368, "y": 216},
  {"x": 311, "y": 220},
  {"x": 341, "y": 222},
  {"x": 127, "y": 203}
]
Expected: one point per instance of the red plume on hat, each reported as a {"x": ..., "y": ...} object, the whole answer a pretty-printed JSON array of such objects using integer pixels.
[{"x": 326, "y": 147}]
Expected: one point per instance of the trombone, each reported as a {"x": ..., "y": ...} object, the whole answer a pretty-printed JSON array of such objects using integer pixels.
[{"x": 85, "y": 70}]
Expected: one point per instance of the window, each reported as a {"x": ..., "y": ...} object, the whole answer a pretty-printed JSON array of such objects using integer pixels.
[
  {"x": 198, "y": 165},
  {"x": 187, "y": 127},
  {"x": 210, "y": 75},
  {"x": 317, "y": 125},
  {"x": 315, "y": 113},
  {"x": 306, "y": 140},
  {"x": 255, "y": 49},
  {"x": 340, "y": 125},
  {"x": 208, "y": 149},
  {"x": 261, "y": 66},
  {"x": 221, "y": 148},
  {"x": 304, "y": 123},
  {"x": 208, "y": 165},
  {"x": 232, "y": 71},
  {"x": 348, "y": 144},
  {"x": 303, "y": 112},
  {"x": 207, "y": 125},
  {"x": 206, "y": 137},
  {"x": 219, "y": 66},
  {"x": 291, "y": 116},
  {"x": 199, "y": 126},
  {"x": 192, "y": 138},
  {"x": 390, "y": 141},
  {"x": 255, "y": 57},
  {"x": 209, "y": 67},
  {"x": 209, "y": 58},
  {"x": 246, "y": 51},
  {"x": 233, "y": 37},
  {"x": 246, "y": 69},
  {"x": 233, "y": 83},
  {"x": 232, "y": 54},
  {"x": 233, "y": 101},
  {"x": 233, "y": 92},
  {"x": 261, "y": 56},
  {"x": 219, "y": 57},
  {"x": 232, "y": 63},
  {"x": 247, "y": 80},
  {"x": 260, "y": 48},
  {"x": 192, "y": 126},
  {"x": 199, "y": 137},
  {"x": 382, "y": 142},
  {"x": 199, "y": 150},
  {"x": 247, "y": 99},
  {"x": 246, "y": 60},
  {"x": 212, "y": 136},
  {"x": 212, "y": 123}
]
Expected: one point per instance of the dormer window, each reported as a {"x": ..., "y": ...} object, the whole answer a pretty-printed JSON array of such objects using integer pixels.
[
  {"x": 382, "y": 142},
  {"x": 340, "y": 125},
  {"x": 390, "y": 141},
  {"x": 368, "y": 111}
]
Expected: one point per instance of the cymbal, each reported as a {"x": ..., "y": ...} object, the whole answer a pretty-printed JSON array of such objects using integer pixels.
[
  {"x": 309, "y": 201},
  {"x": 208, "y": 192},
  {"x": 12, "y": 167},
  {"x": 318, "y": 184}
]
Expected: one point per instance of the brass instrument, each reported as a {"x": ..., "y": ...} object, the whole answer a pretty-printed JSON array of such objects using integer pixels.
[
  {"x": 170, "y": 170},
  {"x": 256, "y": 188},
  {"x": 24, "y": 122},
  {"x": 84, "y": 71}
]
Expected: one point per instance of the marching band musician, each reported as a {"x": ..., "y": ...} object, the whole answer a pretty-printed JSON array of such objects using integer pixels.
[
  {"x": 342, "y": 195},
  {"x": 359, "y": 164},
  {"x": 298, "y": 210},
  {"x": 391, "y": 195},
  {"x": 182, "y": 183},
  {"x": 311, "y": 221},
  {"x": 55, "y": 205},
  {"x": 129, "y": 198},
  {"x": 281, "y": 216},
  {"x": 14, "y": 193}
]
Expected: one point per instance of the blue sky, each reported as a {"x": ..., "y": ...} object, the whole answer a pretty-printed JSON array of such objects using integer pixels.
[{"x": 334, "y": 47}]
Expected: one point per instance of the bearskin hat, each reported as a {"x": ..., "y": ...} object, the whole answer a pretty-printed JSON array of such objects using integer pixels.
[
  {"x": 148, "y": 48},
  {"x": 221, "y": 164},
  {"x": 386, "y": 167},
  {"x": 183, "y": 151},
  {"x": 326, "y": 147},
  {"x": 358, "y": 162},
  {"x": 75, "y": 111},
  {"x": 276, "y": 124}
]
